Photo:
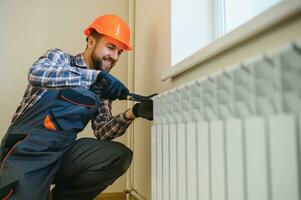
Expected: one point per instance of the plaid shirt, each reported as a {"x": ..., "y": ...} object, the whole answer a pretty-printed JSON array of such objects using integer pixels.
[{"x": 58, "y": 70}]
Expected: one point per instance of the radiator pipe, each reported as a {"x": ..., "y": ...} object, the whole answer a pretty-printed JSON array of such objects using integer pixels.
[
  {"x": 131, "y": 85},
  {"x": 133, "y": 193}
]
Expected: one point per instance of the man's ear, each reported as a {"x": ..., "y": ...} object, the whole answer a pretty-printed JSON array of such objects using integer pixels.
[{"x": 91, "y": 42}]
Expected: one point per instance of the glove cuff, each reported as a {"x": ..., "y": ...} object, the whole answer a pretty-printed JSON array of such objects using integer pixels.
[
  {"x": 99, "y": 76},
  {"x": 135, "y": 109}
]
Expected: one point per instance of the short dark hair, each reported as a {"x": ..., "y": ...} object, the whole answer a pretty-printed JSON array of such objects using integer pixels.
[{"x": 94, "y": 34}]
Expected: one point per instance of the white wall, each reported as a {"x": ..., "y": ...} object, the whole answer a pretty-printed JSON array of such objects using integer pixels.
[{"x": 29, "y": 28}]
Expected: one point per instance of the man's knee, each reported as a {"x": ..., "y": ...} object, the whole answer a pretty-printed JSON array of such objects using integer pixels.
[
  {"x": 113, "y": 161},
  {"x": 106, "y": 154},
  {"x": 93, "y": 162},
  {"x": 122, "y": 155}
]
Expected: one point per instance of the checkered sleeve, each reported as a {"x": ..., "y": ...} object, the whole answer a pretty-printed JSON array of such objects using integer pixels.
[
  {"x": 53, "y": 71},
  {"x": 106, "y": 126}
]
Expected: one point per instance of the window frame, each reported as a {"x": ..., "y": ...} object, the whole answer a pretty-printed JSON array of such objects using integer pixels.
[{"x": 272, "y": 16}]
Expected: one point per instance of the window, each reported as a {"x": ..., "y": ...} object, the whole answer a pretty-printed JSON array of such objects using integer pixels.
[
  {"x": 238, "y": 12},
  {"x": 196, "y": 23},
  {"x": 192, "y": 27}
]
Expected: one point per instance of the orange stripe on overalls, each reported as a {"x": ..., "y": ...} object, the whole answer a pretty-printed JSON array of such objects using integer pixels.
[{"x": 48, "y": 123}]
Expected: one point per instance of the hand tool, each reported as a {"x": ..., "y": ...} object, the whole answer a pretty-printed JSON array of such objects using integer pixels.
[
  {"x": 130, "y": 96},
  {"x": 140, "y": 98}
]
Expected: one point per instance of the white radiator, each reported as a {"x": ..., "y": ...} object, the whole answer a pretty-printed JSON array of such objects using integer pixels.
[{"x": 234, "y": 135}]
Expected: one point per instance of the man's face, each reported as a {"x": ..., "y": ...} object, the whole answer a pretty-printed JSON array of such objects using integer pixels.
[{"x": 106, "y": 53}]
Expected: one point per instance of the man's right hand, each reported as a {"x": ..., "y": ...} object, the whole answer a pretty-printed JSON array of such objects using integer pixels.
[
  {"x": 109, "y": 87},
  {"x": 144, "y": 110}
]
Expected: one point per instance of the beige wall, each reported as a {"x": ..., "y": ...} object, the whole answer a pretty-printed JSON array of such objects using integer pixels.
[
  {"x": 152, "y": 56},
  {"x": 29, "y": 28}
]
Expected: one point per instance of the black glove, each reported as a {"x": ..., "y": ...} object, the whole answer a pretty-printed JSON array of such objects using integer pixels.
[
  {"x": 144, "y": 110},
  {"x": 109, "y": 87}
]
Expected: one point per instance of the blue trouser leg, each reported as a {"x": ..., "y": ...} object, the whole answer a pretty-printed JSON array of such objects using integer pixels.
[{"x": 88, "y": 167}]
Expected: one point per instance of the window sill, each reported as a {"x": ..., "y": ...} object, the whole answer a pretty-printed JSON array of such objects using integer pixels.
[{"x": 262, "y": 22}]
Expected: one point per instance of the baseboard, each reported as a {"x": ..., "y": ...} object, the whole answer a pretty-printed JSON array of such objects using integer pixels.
[{"x": 113, "y": 196}]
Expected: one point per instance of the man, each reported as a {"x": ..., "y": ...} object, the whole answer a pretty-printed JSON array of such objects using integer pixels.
[{"x": 64, "y": 93}]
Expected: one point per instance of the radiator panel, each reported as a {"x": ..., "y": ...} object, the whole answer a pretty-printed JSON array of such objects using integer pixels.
[
  {"x": 192, "y": 175},
  {"x": 154, "y": 162},
  {"x": 165, "y": 149},
  {"x": 159, "y": 164},
  {"x": 182, "y": 161},
  {"x": 235, "y": 161},
  {"x": 173, "y": 162},
  {"x": 233, "y": 135},
  {"x": 203, "y": 160},
  {"x": 283, "y": 150},
  {"x": 256, "y": 159},
  {"x": 217, "y": 160}
]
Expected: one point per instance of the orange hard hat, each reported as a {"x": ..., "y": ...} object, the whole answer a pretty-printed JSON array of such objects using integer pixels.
[{"x": 112, "y": 26}]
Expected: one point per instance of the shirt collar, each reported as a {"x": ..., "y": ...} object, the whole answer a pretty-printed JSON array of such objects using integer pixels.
[{"x": 79, "y": 60}]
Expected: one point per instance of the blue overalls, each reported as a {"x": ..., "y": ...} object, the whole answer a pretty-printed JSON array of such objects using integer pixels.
[{"x": 33, "y": 145}]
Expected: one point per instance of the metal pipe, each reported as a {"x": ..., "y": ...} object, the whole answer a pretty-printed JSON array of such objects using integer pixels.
[
  {"x": 134, "y": 193},
  {"x": 131, "y": 86}
]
